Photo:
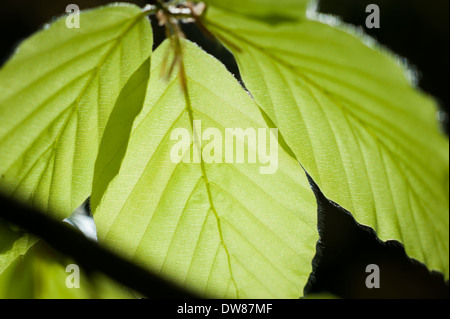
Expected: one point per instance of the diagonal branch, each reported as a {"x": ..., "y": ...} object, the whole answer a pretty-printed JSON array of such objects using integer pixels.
[{"x": 87, "y": 253}]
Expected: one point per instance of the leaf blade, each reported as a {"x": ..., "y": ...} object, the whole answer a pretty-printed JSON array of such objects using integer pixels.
[
  {"x": 56, "y": 95},
  {"x": 266, "y": 10},
  {"x": 348, "y": 111},
  {"x": 208, "y": 227}
]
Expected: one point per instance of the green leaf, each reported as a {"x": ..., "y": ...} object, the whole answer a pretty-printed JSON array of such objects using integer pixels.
[
  {"x": 14, "y": 243},
  {"x": 354, "y": 121},
  {"x": 222, "y": 229},
  {"x": 56, "y": 94},
  {"x": 267, "y": 10}
]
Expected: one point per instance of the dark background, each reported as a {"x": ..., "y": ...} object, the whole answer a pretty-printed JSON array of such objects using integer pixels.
[{"x": 415, "y": 29}]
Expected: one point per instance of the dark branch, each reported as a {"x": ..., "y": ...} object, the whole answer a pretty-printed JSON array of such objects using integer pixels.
[{"x": 87, "y": 253}]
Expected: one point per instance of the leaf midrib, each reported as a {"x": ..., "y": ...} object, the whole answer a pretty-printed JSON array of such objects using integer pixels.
[{"x": 184, "y": 83}]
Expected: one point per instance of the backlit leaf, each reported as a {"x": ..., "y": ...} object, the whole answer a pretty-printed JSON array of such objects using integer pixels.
[
  {"x": 222, "y": 229},
  {"x": 349, "y": 113},
  {"x": 56, "y": 94}
]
